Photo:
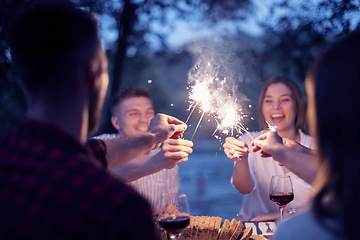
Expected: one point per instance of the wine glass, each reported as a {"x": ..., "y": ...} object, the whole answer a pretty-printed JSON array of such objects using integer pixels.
[
  {"x": 281, "y": 192},
  {"x": 174, "y": 214}
]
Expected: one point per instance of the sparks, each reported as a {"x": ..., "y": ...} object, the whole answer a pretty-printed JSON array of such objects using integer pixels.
[
  {"x": 214, "y": 101},
  {"x": 271, "y": 128}
]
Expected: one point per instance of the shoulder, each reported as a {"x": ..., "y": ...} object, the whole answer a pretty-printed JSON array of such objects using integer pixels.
[
  {"x": 301, "y": 226},
  {"x": 100, "y": 189},
  {"x": 110, "y": 199},
  {"x": 307, "y": 140},
  {"x": 98, "y": 148}
]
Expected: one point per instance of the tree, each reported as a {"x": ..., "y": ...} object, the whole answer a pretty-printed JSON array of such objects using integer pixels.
[
  {"x": 134, "y": 23},
  {"x": 299, "y": 31}
]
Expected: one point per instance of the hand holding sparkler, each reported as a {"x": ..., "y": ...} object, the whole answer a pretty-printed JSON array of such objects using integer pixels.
[
  {"x": 175, "y": 151},
  {"x": 235, "y": 149},
  {"x": 267, "y": 144},
  {"x": 164, "y": 127}
]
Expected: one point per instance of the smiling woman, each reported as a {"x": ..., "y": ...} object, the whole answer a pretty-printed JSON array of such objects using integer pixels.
[{"x": 280, "y": 105}]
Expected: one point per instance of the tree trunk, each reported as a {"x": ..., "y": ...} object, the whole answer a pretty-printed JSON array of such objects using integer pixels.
[{"x": 125, "y": 28}]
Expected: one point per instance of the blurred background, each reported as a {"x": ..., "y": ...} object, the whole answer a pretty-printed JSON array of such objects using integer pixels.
[{"x": 157, "y": 44}]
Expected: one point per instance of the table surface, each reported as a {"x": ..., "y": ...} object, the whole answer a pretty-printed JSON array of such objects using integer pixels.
[{"x": 262, "y": 228}]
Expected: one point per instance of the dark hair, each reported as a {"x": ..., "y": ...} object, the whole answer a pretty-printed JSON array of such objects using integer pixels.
[
  {"x": 300, "y": 119},
  {"x": 335, "y": 80},
  {"x": 128, "y": 92},
  {"x": 51, "y": 39}
]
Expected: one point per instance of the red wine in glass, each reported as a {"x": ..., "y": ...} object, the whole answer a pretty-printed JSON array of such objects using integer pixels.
[
  {"x": 281, "y": 192},
  {"x": 174, "y": 225},
  {"x": 174, "y": 214},
  {"x": 282, "y": 198}
]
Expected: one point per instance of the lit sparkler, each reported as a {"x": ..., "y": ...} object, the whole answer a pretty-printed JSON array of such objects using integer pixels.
[
  {"x": 271, "y": 128},
  {"x": 212, "y": 89},
  {"x": 214, "y": 100}
]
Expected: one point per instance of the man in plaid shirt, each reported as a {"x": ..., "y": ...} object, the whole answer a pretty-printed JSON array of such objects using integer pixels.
[{"x": 53, "y": 183}]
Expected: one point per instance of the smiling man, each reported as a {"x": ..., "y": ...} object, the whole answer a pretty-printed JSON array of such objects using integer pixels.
[
  {"x": 155, "y": 172},
  {"x": 132, "y": 111}
]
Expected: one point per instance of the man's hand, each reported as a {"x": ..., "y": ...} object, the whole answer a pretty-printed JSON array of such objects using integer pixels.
[
  {"x": 235, "y": 149},
  {"x": 164, "y": 127},
  {"x": 176, "y": 151},
  {"x": 267, "y": 143}
]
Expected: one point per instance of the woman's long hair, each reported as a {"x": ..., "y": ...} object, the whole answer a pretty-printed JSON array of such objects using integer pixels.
[{"x": 334, "y": 79}]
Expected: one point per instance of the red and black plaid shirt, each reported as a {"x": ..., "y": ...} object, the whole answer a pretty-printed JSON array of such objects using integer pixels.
[{"x": 50, "y": 189}]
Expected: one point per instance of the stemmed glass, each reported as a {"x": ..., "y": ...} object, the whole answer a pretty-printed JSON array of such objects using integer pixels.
[
  {"x": 174, "y": 214},
  {"x": 281, "y": 192}
]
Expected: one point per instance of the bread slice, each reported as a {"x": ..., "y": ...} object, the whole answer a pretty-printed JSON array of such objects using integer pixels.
[
  {"x": 206, "y": 227},
  {"x": 233, "y": 225},
  {"x": 202, "y": 230},
  {"x": 238, "y": 230},
  {"x": 246, "y": 233},
  {"x": 257, "y": 237},
  {"x": 195, "y": 227},
  {"x": 214, "y": 228},
  {"x": 224, "y": 230}
]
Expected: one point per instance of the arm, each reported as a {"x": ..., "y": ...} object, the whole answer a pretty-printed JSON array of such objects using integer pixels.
[
  {"x": 162, "y": 127},
  {"x": 297, "y": 158},
  {"x": 276, "y": 216},
  {"x": 237, "y": 150},
  {"x": 173, "y": 151}
]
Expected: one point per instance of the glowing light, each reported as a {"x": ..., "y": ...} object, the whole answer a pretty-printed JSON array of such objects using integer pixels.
[
  {"x": 149, "y": 81},
  {"x": 214, "y": 93},
  {"x": 271, "y": 128},
  {"x": 200, "y": 94},
  {"x": 213, "y": 99}
]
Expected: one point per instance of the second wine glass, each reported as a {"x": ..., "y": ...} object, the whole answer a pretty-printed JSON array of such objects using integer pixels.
[
  {"x": 281, "y": 192},
  {"x": 174, "y": 214}
]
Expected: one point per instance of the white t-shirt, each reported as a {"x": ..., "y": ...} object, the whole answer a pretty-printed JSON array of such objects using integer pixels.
[
  {"x": 152, "y": 186},
  {"x": 261, "y": 169}
]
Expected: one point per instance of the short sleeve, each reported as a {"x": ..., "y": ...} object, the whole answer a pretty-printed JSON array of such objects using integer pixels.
[{"x": 98, "y": 148}]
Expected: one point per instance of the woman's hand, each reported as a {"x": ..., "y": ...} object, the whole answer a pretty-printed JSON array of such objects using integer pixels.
[{"x": 235, "y": 149}]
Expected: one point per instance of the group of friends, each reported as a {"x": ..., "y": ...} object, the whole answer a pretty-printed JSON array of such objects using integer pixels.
[{"x": 58, "y": 184}]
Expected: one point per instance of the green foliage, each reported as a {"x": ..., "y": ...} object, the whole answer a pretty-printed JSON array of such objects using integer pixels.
[{"x": 292, "y": 37}]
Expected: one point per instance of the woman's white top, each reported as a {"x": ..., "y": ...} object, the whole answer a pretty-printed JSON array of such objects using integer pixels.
[
  {"x": 152, "y": 186},
  {"x": 261, "y": 169}
]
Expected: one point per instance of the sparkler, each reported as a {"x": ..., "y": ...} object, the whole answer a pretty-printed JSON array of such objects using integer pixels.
[
  {"x": 213, "y": 89},
  {"x": 216, "y": 100},
  {"x": 271, "y": 128}
]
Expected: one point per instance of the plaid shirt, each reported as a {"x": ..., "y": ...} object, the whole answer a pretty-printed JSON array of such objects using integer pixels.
[{"x": 50, "y": 189}]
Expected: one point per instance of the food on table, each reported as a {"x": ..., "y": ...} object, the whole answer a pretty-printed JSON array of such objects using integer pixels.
[{"x": 215, "y": 228}]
